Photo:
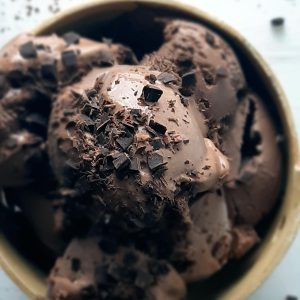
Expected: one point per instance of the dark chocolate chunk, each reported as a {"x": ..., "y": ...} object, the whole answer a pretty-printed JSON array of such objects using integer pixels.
[
  {"x": 106, "y": 59},
  {"x": 210, "y": 39},
  {"x": 71, "y": 38},
  {"x": 135, "y": 165},
  {"x": 151, "y": 78},
  {"x": 155, "y": 160},
  {"x": 48, "y": 70},
  {"x": 124, "y": 142},
  {"x": 108, "y": 246},
  {"x": 130, "y": 259},
  {"x": 28, "y": 50},
  {"x": 69, "y": 59},
  {"x": 87, "y": 120},
  {"x": 75, "y": 264},
  {"x": 151, "y": 93},
  {"x": 121, "y": 162},
  {"x": 157, "y": 144},
  {"x": 143, "y": 279},
  {"x": 279, "y": 21},
  {"x": 166, "y": 77},
  {"x": 221, "y": 72},
  {"x": 159, "y": 128}
]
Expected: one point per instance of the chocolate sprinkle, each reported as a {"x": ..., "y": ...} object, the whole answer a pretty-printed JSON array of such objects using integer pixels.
[
  {"x": 159, "y": 128},
  {"x": 151, "y": 93},
  {"x": 155, "y": 160},
  {"x": 69, "y": 59},
  {"x": 28, "y": 50},
  {"x": 166, "y": 77},
  {"x": 71, "y": 38},
  {"x": 121, "y": 162}
]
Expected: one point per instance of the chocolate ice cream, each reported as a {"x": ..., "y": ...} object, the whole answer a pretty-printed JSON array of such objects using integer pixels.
[{"x": 139, "y": 175}]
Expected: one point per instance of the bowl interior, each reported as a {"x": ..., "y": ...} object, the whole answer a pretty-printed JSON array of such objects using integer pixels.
[{"x": 132, "y": 23}]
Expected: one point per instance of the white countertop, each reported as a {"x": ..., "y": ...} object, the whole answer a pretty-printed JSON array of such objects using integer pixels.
[{"x": 280, "y": 48}]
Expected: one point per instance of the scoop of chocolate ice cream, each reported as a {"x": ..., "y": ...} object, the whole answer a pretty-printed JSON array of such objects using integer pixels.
[{"x": 146, "y": 175}]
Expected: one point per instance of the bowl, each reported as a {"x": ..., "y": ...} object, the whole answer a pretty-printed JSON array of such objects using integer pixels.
[{"x": 238, "y": 280}]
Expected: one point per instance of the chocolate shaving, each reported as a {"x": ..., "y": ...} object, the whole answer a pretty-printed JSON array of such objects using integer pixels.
[
  {"x": 159, "y": 128},
  {"x": 69, "y": 59},
  {"x": 124, "y": 142},
  {"x": 157, "y": 144},
  {"x": 28, "y": 50},
  {"x": 121, "y": 162},
  {"x": 151, "y": 93},
  {"x": 166, "y": 77},
  {"x": 155, "y": 161},
  {"x": 71, "y": 38}
]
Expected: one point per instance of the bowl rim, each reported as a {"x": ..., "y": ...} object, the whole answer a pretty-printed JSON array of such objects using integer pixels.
[{"x": 283, "y": 106}]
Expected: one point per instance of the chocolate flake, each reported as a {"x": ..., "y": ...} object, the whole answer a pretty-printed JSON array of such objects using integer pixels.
[
  {"x": 135, "y": 165},
  {"x": 159, "y": 128},
  {"x": 124, "y": 142},
  {"x": 166, "y": 77},
  {"x": 69, "y": 59},
  {"x": 157, "y": 144},
  {"x": 28, "y": 50},
  {"x": 155, "y": 160},
  {"x": 151, "y": 93},
  {"x": 71, "y": 38},
  {"x": 121, "y": 162},
  {"x": 75, "y": 264}
]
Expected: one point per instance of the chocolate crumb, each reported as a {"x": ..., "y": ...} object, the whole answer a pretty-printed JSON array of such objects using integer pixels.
[
  {"x": 151, "y": 93},
  {"x": 28, "y": 50}
]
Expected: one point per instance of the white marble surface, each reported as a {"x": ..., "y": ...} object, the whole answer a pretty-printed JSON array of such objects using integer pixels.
[{"x": 280, "y": 48}]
